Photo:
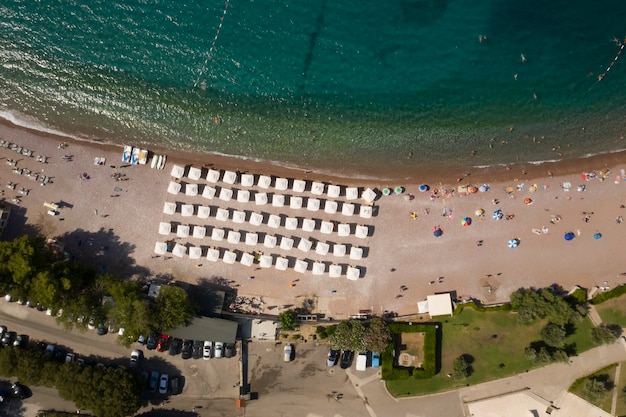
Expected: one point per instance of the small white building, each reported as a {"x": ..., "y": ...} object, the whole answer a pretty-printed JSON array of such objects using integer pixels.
[{"x": 436, "y": 305}]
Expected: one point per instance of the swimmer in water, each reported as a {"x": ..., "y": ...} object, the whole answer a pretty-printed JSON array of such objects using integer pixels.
[{"x": 523, "y": 57}]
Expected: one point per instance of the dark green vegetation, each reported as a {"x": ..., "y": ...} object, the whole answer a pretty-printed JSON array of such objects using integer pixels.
[
  {"x": 596, "y": 388},
  {"x": 30, "y": 270},
  {"x": 614, "y": 293},
  {"x": 287, "y": 320},
  {"x": 392, "y": 372},
  {"x": 361, "y": 336}
]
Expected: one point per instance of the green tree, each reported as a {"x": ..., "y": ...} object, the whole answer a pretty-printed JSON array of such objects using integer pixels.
[
  {"x": 596, "y": 387},
  {"x": 553, "y": 335},
  {"x": 287, "y": 320},
  {"x": 377, "y": 336},
  {"x": 20, "y": 260},
  {"x": 605, "y": 334},
  {"x": 349, "y": 335},
  {"x": 129, "y": 310},
  {"x": 173, "y": 308},
  {"x": 461, "y": 367}
]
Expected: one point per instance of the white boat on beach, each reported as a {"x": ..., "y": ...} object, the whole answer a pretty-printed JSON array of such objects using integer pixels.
[
  {"x": 162, "y": 162},
  {"x": 155, "y": 162},
  {"x": 134, "y": 158},
  {"x": 126, "y": 156},
  {"x": 143, "y": 157}
]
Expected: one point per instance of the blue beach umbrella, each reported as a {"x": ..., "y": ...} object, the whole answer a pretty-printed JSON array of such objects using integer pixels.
[
  {"x": 513, "y": 243},
  {"x": 569, "y": 236},
  {"x": 423, "y": 188},
  {"x": 437, "y": 231},
  {"x": 497, "y": 215},
  {"x": 597, "y": 235}
]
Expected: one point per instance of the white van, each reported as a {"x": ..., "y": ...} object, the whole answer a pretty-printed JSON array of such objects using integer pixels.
[{"x": 361, "y": 361}]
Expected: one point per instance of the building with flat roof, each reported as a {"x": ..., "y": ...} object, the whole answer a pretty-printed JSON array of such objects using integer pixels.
[{"x": 207, "y": 328}]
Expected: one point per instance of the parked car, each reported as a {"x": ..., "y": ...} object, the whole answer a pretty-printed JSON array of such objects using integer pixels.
[
  {"x": 8, "y": 338},
  {"x": 151, "y": 343},
  {"x": 196, "y": 350},
  {"x": 21, "y": 340},
  {"x": 102, "y": 329},
  {"x": 333, "y": 357},
  {"x": 346, "y": 359},
  {"x": 361, "y": 361},
  {"x": 20, "y": 391},
  {"x": 154, "y": 381},
  {"x": 60, "y": 355},
  {"x": 3, "y": 330},
  {"x": 162, "y": 343},
  {"x": 287, "y": 352},
  {"x": 69, "y": 358},
  {"x": 164, "y": 383},
  {"x": 375, "y": 359},
  {"x": 141, "y": 340},
  {"x": 175, "y": 385},
  {"x": 208, "y": 347},
  {"x": 175, "y": 345},
  {"x": 186, "y": 350},
  {"x": 219, "y": 349},
  {"x": 135, "y": 357},
  {"x": 229, "y": 350}
]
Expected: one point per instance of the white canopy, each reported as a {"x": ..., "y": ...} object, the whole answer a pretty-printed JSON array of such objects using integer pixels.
[
  {"x": 229, "y": 257},
  {"x": 353, "y": 273},
  {"x": 295, "y": 202},
  {"x": 204, "y": 212},
  {"x": 212, "y": 255},
  {"x": 273, "y": 221},
  {"x": 165, "y": 228},
  {"x": 298, "y": 186},
  {"x": 260, "y": 199},
  {"x": 343, "y": 230},
  {"x": 160, "y": 248},
  {"x": 356, "y": 253},
  {"x": 352, "y": 193},
  {"x": 194, "y": 173},
  {"x": 226, "y": 194},
  {"x": 317, "y": 188},
  {"x": 169, "y": 208},
  {"x": 179, "y": 250},
  {"x": 282, "y": 264},
  {"x": 247, "y": 259},
  {"x": 322, "y": 248},
  {"x": 333, "y": 191},
  {"x": 213, "y": 176},
  {"x": 366, "y": 212},
  {"x": 265, "y": 261},
  {"x": 270, "y": 241},
  {"x": 243, "y": 196},
  {"x": 247, "y": 180},
  {"x": 208, "y": 192},
  {"x": 281, "y": 184},
  {"x": 361, "y": 231},
  {"x": 291, "y": 223},
  {"x": 308, "y": 225},
  {"x": 301, "y": 266},
  {"x": 347, "y": 209},
  {"x": 186, "y": 210},
  {"x": 195, "y": 252},
  {"x": 313, "y": 204},
  {"x": 305, "y": 245},
  {"x": 222, "y": 215},
  {"x": 256, "y": 219},
  {"x": 199, "y": 232},
  {"x": 318, "y": 268},
  {"x": 339, "y": 250},
  {"x": 174, "y": 188},
  {"x": 330, "y": 207},
  {"x": 278, "y": 200},
  {"x": 239, "y": 216},
  {"x": 229, "y": 177},
  {"x": 252, "y": 238},
  {"x": 191, "y": 190},
  {"x": 177, "y": 171},
  {"x": 217, "y": 234},
  {"x": 286, "y": 243},
  {"x": 369, "y": 195},
  {"x": 264, "y": 181},
  {"x": 334, "y": 271},
  {"x": 234, "y": 237},
  {"x": 182, "y": 230},
  {"x": 327, "y": 227}
]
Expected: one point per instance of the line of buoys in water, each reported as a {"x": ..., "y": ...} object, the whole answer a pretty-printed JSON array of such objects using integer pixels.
[{"x": 211, "y": 49}]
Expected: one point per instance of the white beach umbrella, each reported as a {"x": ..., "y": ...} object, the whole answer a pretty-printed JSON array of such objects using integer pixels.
[
  {"x": 369, "y": 195},
  {"x": 322, "y": 248},
  {"x": 230, "y": 177},
  {"x": 243, "y": 196},
  {"x": 353, "y": 273},
  {"x": 174, "y": 187},
  {"x": 199, "y": 232},
  {"x": 182, "y": 230},
  {"x": 256, "y": 219},
  {"x": 330, "y": 207},
  {"x": 217, "y": 234},
  {"x": 356, "y": 253},
  {"x": 194, "y": 173},
  {"x": 195, "y": 252},
  {"x": 270, "y": 241},
  {"x": 339, "y": 250},
  {"x": 204, "y": 212},
  {"x": 160, "y": 248},
  {"x": 226, "y": 194},
  {"x": 291, "y": 223},
  {"x": 278, "y": 200},
  {"x": 169, "y": 208},
  {"x": 366, "y": 212},
  {"x": 179, "y": 250},
  {"x": 333, "y": 191},
  {"x": 305, "y": 245},
  {"x": 209, "y": 192},
  {"x": 229, "y": 257},
  {"x": 177, "y": 171},
  {"x": 260, "y": 199},
  {"x": 239, "y": 216},
  {"x": 212, "y": 255},
  {"x": 191, "y": 190},
  {"x": 295, "y": 202},
  {"x": 286, "y": 243},
  {"x": 343, "y": 230},
  {"x": 327, "y": 227},
  {"x": 334, "y": 271},
  {"x": 313, "y": 204},
  {"x": 222, "y": 215},
  {"x": 264, "y": 181},
  {"x": 273, "y": 221},
  {"x": 234, "y": 237},
  {"x": 213, "y": 176},
  {"x": 308, "y": 225},
  {"x": 247, "y": 180},
  {"x": 265, "y": 261},
  {"x": 319, "y": 268},
  {"x": 186, "y": 210},
  {"x": 301, "y": 266},
  {"x": 247, "y": 259},
  {"x": 317, "y": 188},
  {"x": 165, "y": 228},
  {"x": 299, "y": 186},
  {"x": 282, "y": 264},
  {"x": 252, "y": 238},
  {"x": 281, "y": 184},
  {"x": 352, "y": 193},
  {"x": 361, "y": 231},
  {"x": 347, "y": 209}
]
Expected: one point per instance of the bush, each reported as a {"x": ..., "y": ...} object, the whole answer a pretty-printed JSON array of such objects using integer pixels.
[
  {"x": 605, "y": 334},
  {"x": 615, "y": 292},
  {"x": 287, "y": 320},
  {"x": 321, "y": 332},
  {"x": 431, "y": 354}
]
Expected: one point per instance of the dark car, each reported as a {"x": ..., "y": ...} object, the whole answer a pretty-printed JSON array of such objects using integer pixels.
[
  {"x": 346, "y": 359},
  {"x": 175, "y": 385},
  {"x": 59, "y": 355},
  {"x": 186, "y": 350},
  {"x": 229, "y": 350},
  {"x": 151, "y": 343},
  {"x": 196, "y": 351},
  {"x": 21, "y": 340},
  {"x": 175, "y": 346},
  {"x": 102, "y": 329},
  {"x": 333, "y": 357},
  {"x": 20, "y": 391},
  {"x": 162, "y": 343},
  {"x": 8, "y": 338}
]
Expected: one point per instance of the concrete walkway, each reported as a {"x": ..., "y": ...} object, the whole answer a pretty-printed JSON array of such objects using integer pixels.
[
  {"x": 593, "y": 315},
  {"x": 615, "y": 389}
]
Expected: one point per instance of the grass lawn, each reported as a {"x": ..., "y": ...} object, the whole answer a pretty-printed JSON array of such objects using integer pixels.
[
  {"x": 605, "y": 402},
  {"x": 496, "y": 342},
  {"x": 613, "y": 311}
]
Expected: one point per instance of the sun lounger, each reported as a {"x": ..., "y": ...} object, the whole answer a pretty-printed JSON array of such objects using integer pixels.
[
  {"x": 356, "y": 253},
  {"x": 186, "y": 210},
  {"x": 229, "y": 257},
  {"x": 317, "y": 188},
  {"x": 217, "y": 234},
  {"x": 305, "y": 245},
  {"x": 230, "y": 177},
  {"x": 339, "y": 250},
  {"x": 319, "y": 268},
  {"x": 365, "y": 212},
  {"x": 239, "y": 216},
  {"x": 260, "y": 199},
  {"x": 273, "y": 221},
  {"x": 194, "y": 173},
  {"x": 247, "y": 180},
  {"x": 191, "y": 190},
  {"x": 291, "y": 223},
  {"x": 352, "y": 193},
  {"x": 361, "y": 231},
  {"x": 282, "y": 264},
  {"x": 334, "y": 271},
  {"x": 295, "y": 202},
  {"x": 270, "y": 241},
  {"x": 182, "y": 230},
  {"x": 330, "y": 207},
  {"x": 281, "y": 184},
  {"x": 160, "y": 248},
  {"x": 222, "y": 215},
  {"x": 322, "y": 248},
  {"x": 308, "y": 225},
  {"x": 212, "y": 255},
  {"x": 347, "y": 209},
  {"x": 353, "y": 273},
  {"x": 195, "y": 252},
  {"x": 247, "y": 259},
  {"x": 204, "y": 212},
  {"x": 301, "y": 266},
  {"x": 199, "y": 232},
  {"x": 213, "y": 176},
  {"x": 343, "y": 230},
  {"x": 278, "y": 200},
  {"x": 169, "y": 208},
  {"x": 179, "y": 250},
  {"x": 233, "y": 237},
  {"x": 243, "y": 196},
  {"x": 327, "y": 227},
  {"x": 313, "y": 204},
  {"x": 208, "y": 192},
  {"x": 252, "y": 238},
  {"x": 174, "y": 188},
  {"x": 333, "y": 191},
  {"x": 165, "y": 228},
  {"x": 264, "y": 181},
  {"x": 286, "y": 243},
  {"x": 226, "y": 194},
  {"x": 256, "y": 219},
  {"x": 265, "y": 261},
  {"x": 298, "y": 186}
]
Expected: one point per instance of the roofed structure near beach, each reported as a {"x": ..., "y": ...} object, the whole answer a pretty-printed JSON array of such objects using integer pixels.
[{"x": 437, "y": 305}]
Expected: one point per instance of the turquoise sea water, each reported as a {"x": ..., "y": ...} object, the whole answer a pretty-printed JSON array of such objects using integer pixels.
[{"x": 350, "y": 84}]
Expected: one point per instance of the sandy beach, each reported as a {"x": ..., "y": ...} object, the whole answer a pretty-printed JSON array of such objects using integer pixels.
[{"x": 113, "y": 225}]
